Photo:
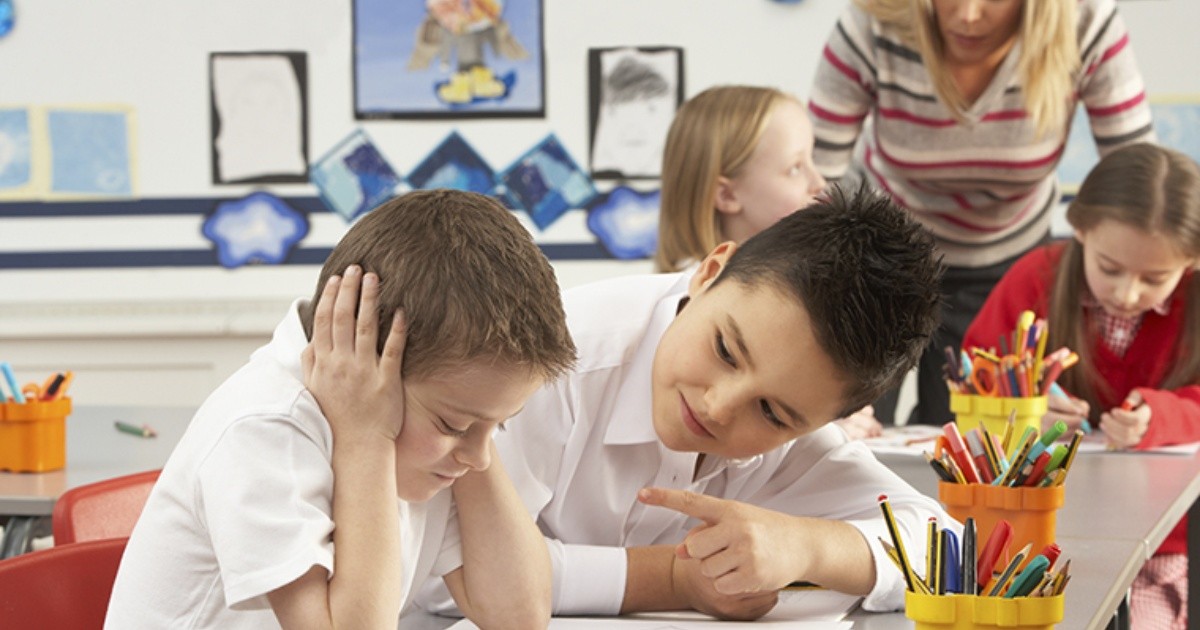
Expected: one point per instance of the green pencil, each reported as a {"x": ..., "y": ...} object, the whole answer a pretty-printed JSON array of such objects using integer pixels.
[{"x": 142, "y": 431}]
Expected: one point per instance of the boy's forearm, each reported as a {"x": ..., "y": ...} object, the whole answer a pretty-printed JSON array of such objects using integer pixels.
[
  {"x": 366, "y": 585},
  {"x": 649, "y": 581},
  {"x": 839, "y": 558},
  {"x": 506, "y": 572}
]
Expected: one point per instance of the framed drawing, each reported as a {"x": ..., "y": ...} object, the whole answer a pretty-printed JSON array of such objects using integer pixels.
[
  {"x": 632, "y": 97},
  {"x": 448, "y": 59}
]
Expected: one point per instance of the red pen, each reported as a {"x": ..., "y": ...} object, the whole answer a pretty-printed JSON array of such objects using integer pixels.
[
  {"x": 958, "y": 451},
  {"x": 1039, "y": 469},
  {"x": 997, "y": 544},
  {"x": 1051, "y": 552}
]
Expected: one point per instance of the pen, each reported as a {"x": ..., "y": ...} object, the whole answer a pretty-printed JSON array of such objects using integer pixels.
[
  {"x": 997, "y": 542},
  {"x": 968, "y": 557},
  {"x": 132, "y": 429},
  {"x": 17, "y": 396},
  {"x": 61, "y": 390},
  {"x": 951, "y": 566}
]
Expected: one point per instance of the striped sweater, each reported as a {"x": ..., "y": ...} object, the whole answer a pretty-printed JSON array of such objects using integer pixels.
[{"x": 985, "y": 187}]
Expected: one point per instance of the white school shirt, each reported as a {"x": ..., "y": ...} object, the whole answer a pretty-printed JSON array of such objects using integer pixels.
[
  {"x": 584, "y": 445},
  {"x": 243, "y": 506}
]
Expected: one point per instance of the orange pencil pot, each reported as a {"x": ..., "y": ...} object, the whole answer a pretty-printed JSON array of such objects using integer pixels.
[
  {"x": 972, "y": 410},
  {"x": 33, "y": 435},
  {"x": 1032, "y": 512},
  {"x": 962, "y": 612}
]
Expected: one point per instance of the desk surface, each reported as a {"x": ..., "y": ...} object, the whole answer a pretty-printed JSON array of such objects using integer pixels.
[{"x": 95, "y": 451}]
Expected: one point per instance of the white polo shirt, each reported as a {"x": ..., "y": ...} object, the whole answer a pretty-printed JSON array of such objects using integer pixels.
[
  {"x": 585, "y": 444},
  {"x": 243, "y": 506}
]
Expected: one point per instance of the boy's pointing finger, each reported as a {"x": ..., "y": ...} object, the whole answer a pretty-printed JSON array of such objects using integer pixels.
[{"x": 704, "y": 507}]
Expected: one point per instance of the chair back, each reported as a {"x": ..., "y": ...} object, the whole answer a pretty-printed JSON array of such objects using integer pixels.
[
  {"x": 104, "y": 509},
  {"x": 67, "y": 586}
]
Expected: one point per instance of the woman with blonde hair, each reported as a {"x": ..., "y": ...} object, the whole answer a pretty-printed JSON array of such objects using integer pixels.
[{"x": 960, "y": 110}]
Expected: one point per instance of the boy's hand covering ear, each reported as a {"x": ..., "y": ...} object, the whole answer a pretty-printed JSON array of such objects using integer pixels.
[
  {"x": 359, "y": 391},
  {"x": 745, "y": 553}
]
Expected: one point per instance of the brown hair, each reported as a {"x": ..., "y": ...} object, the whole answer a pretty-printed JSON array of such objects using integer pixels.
[
  {"x": 1049, "y": 61},
  {"x": 713, "y": 134},
  {"x": 1152, "y": 189},
  {"x": 471, "y": 281}
]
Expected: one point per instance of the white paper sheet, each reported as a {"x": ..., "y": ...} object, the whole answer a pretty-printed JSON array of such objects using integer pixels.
[{"x": 806, "y": 609}]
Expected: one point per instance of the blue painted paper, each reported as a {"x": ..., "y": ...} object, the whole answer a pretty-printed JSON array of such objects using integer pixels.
[
  {"x": 16, "y": 165},
  {"x": 257, "y": 229},
  {"x": 354, "y": 177},
  {"x": 626, "y": 222},
  {"x": 90, "y": 153},
  {"x": 454, "y": 164},
  {"x": 545, "y": 183}
]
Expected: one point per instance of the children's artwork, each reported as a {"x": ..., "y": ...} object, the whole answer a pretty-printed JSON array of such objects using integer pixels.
[
  {"x": 545, "y": 182},
  {"x": 7, "y": 17},
  {"x": 257, "y": 229},
  {"x": 448, "y": 59},
  {"x": 454, "y": 164},
  {"x": 633, "y": 94},
  {"x": 1176, "y": 122},
  {"x": 259, "y": 117},
  {"x": 353, "y": 177},
  {"x": 16, "y": 162},
  {"x": 91, "y": 152},
  {"x": 626, "y": 222}
]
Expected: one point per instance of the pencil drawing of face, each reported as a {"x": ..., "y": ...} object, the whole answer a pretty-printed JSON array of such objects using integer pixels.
[{"x": 637, "y": 104}]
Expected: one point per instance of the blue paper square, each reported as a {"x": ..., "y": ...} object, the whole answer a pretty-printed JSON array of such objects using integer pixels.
[
  {"x": 89, "y": 153},
  {"x": 546, "y": 182},
  {"x": 15, "y": 163},
  {"x": 454, "y": 164},
  {"x": 354, "y": 177}
]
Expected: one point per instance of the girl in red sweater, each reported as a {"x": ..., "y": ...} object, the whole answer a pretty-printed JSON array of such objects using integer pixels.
[{"x": 1122, "y": 294}]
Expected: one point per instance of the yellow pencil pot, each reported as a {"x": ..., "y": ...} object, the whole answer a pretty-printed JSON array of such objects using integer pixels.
[
  {"x": 33, "y": 435},
  {"x": 962, "y": 612},
  {"x": 1032, "y": 512},
  {"x": 971, "y": 410}
]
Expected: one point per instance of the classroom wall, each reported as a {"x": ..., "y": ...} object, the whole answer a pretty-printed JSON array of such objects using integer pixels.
[{"x": 168, "y": 335}]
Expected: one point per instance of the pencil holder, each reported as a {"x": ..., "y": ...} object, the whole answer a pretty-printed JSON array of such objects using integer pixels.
[
  {"x": 962, "y": 612},
  {"x": 33, "y": 435},
  {"x": 1032, "y": 512},
  {"x": 972, "y": 410}
]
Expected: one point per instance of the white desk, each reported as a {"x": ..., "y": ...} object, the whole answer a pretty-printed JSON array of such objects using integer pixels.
[{"x": 95, "y": 451}]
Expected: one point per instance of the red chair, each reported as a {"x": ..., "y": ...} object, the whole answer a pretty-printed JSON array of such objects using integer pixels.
[
  {"x": 60, "y": 587},
  {"x": 104, "y": 509}
]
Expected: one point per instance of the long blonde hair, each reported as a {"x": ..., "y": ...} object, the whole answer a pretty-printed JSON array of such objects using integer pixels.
[
  {"x": 1049, "y": 61},
  {"x": 712, "y": 135},
  {"x": 1151, "y": 189}
]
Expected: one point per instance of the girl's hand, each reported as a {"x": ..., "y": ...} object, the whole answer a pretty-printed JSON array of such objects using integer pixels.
[
  {"x": 359, "y": 392},
  {"x": 1125, "y": 426},
  {"x": 861, "y": 424},
  {"x": 1073, "y": 411}
]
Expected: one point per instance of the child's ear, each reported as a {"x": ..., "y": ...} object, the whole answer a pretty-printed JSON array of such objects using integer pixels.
[
  {"x": 726, "y": 200},
  {"x": 1078, "y": 236},
  {"x": 711, "y": 267}
]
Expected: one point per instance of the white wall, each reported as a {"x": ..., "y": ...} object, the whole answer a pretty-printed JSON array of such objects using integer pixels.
[{"x": 163, "y": 336}]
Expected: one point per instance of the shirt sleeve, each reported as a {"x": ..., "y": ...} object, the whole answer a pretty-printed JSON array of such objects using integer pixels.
[
  {"x": 825, "y": 476},
  {"x": 843, "y": 93},
  {"x": 265, "y": 495},
  {"x": 1111, "y": 85},
  {"x": 1174, "y": 416}
]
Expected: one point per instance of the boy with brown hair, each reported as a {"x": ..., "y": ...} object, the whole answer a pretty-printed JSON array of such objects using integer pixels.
[
  {"x": 716, "y": 388},
  {"x": 371, "y": 443}
]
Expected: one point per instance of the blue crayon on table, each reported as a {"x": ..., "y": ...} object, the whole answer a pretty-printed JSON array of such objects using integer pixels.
[{"x": 11, "y": 378}]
